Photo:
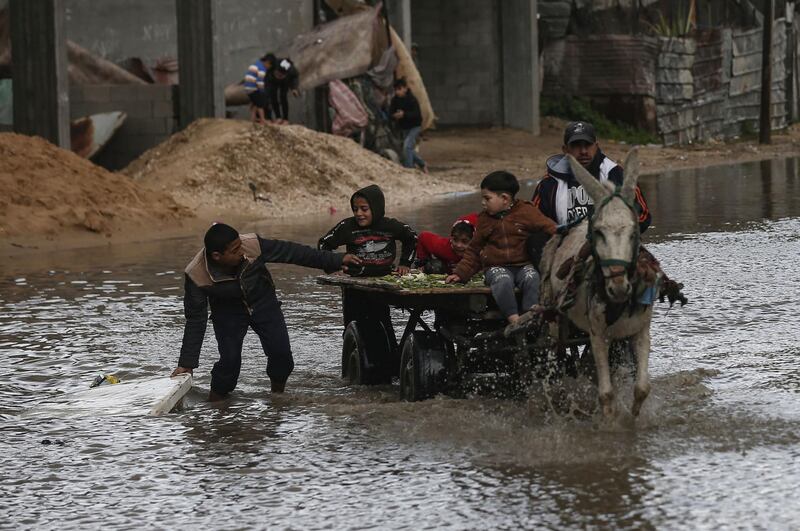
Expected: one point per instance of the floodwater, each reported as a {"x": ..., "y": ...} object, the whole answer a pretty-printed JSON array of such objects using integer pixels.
[{"x": 717, "y": 444}]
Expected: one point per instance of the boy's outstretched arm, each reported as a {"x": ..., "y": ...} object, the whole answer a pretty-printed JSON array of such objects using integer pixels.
[
  {"x": 195, "y": 308},
  {"x": 286, "y": 252}
]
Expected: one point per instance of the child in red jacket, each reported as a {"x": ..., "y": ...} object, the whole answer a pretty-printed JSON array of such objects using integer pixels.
[{"x": 438, "y": 254}]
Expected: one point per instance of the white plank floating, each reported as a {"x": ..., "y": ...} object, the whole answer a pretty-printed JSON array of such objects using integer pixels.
[{"x": 146, "y": 396}]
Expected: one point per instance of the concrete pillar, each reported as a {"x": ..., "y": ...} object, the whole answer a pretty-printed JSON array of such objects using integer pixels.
[
  {"x": 400, "y": 18},
  {"x": 201, "y": 91},
  {"x": 520, "y": 60},
  {"x": 40, "y": 83}
]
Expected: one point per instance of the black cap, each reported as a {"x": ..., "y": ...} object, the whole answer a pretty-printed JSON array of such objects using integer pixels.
[{"x": 576, "y": 131}]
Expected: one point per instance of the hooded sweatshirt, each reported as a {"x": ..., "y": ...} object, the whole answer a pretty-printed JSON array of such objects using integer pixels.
[
  {"x": 563, "y": 199},
  {"x": 375, "y": 244}
]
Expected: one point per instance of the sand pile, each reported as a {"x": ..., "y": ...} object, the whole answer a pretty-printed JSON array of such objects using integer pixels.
[
  {"x": 48, "y": 190},
  {"x": 214, "y": 164}
]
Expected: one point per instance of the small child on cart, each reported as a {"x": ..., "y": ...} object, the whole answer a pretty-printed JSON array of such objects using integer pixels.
[
  {"x": 498, "y": 246},
  {"x": 372, "y": 237},
  {"x": 439, "y": 254}
]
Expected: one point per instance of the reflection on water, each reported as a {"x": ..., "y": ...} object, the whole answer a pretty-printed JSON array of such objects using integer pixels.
[{"x": 716, "y": 446}]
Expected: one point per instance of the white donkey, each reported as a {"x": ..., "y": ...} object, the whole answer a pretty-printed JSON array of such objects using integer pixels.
[{"x": 613, "y": 232}]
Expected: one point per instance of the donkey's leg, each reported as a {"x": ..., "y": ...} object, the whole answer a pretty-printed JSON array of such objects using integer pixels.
[
  {"x": 641, "y": 347},
  {"x": 605, "y": 391}
]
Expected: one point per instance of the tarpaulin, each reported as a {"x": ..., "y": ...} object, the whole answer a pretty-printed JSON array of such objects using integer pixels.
[{"x": 351, "y": 116}]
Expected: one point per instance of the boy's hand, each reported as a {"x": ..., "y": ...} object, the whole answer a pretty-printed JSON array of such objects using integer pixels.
[
  {"x": 350, "y": 259},
  {"x": 402, "y": 270},
  {"x": 180, "y": 370},
  {"x": 397, "y": 115},
  {"x": 452, "y": 278}
]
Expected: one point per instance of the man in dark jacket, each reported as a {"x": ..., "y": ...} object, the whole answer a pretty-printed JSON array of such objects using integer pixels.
[
  {"x": 406, "y": 112},
  {"x": 231, "y": 276},
  {"x": 281, "y": 78},
  {"x": 559, "y": 195}
]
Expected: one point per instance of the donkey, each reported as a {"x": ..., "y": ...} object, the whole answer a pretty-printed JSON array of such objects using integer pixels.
[{"x": 603, "y": 300}]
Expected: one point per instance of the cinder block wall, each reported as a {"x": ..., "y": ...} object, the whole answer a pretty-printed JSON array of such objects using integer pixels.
[
  {"x": 151, "y": 117},
  {"x": 460, "y": 59}
]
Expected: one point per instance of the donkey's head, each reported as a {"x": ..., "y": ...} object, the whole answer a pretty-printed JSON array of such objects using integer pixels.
[{"x": 614, "y": 227}]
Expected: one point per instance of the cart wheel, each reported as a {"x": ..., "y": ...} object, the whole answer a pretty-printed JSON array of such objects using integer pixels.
[
  {"x": 422, "y": 366},
  {"x": 366, "y": 354}
]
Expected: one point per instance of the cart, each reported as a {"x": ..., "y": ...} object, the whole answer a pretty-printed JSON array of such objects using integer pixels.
[{"x": 466, "y": 343}]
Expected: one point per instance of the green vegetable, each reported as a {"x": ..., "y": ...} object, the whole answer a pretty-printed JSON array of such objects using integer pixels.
[{"x": 423, "y": 281}]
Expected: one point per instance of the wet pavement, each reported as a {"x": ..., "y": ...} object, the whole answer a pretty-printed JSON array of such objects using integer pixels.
[{"x": 717, "y": 444}]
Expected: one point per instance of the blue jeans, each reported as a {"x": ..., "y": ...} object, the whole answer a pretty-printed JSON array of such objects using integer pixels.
[
  {"x": 503, "y": 279},
  {"x": 410, "y": 157}
]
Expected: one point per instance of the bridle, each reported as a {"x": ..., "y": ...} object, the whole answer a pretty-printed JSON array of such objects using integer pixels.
[{"x": 604, "y": 263}]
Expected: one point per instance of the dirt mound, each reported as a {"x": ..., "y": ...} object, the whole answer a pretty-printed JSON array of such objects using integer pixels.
[
  {"x": 48, "y": 190},
  {"x": 214, "y": 164}
]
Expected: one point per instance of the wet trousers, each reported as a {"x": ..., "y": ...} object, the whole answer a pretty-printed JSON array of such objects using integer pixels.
[
  {"x": 410, "y": 156},
  {"x": 503, "y": 279},
  {"x": 268, "y": 323}
]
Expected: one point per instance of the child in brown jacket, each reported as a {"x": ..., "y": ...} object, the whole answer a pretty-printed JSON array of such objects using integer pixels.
[{"x": 498, "y": 246}]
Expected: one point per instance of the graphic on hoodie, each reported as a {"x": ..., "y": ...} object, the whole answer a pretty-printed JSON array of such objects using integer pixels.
[
  {"x": 375, "y": 244},
  {"x": 564, "y": 200}
]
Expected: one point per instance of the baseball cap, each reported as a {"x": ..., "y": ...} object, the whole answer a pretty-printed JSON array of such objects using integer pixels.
[{"x": 576, "y": 131}]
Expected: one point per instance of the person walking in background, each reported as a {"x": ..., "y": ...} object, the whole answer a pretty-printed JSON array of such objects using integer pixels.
[
  {"x": 255, "y": 87},
  {"x": 405, "y": 111},
  {"x": 280, "y": 79}
]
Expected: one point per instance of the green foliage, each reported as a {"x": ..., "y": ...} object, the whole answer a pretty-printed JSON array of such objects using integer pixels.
[
  {"x": 580, "y": 109},
  {"x": 427, "y": 281},
  {"x": 679, "y": 26}
]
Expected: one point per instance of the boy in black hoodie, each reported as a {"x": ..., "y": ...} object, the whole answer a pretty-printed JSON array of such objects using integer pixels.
[{"x": 371, "y": 236}]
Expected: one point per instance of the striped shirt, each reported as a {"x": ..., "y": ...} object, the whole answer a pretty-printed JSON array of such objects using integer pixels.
[{"x": 254, "y": 77}]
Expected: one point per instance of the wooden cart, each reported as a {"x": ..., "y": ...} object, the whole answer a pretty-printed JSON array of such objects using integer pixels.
[{"x": 465, "y": 343}]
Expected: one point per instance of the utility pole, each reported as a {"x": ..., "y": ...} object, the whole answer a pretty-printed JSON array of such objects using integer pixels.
[{"x": 765, "y": 123}]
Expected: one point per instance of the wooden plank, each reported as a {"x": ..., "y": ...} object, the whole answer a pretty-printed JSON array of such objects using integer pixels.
[
  {"x": 144, "y": 396},
  {"x": 377, "y": 285}
]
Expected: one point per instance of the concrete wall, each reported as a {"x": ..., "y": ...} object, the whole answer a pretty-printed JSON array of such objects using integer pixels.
[
  {"x": 118, "y": 29},
  {"x": 460, "y": 59},
  {"x": 520, "y": 64},
  {"x": 151, "y": 117},
  {"x": 710, "y": 86}
]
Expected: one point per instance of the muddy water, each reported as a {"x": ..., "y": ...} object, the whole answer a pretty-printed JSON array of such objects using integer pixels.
[{"x": 716, "y": 445}]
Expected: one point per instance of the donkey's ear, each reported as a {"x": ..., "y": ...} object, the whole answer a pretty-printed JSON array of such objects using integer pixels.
[
  {"x": 631, "y": 169},
  {"x": 593, "y": 187}
]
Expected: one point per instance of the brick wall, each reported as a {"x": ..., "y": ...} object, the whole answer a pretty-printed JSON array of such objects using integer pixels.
[
  {"x": 150, "y": 118},
  {"x": 460, "y": 59}
]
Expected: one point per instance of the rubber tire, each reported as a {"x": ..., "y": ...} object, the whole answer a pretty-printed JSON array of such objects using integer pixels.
[
  {"x": 423, "y": 368},
  {"x": 366, "y": 354}
]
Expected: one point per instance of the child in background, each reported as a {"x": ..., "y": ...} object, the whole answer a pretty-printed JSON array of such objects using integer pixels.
[
  {"x": 437, "y": 254},
  {"x": 498, "y": 246},
  {"x": 371, "y": 237},
  {"x": 254, "y": 86}
]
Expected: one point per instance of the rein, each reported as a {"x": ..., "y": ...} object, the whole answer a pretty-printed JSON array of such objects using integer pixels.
[{"x": 626, "y": 264}]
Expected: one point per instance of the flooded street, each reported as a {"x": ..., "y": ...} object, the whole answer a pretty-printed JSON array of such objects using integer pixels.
[{"x": 717, "y": 444}]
